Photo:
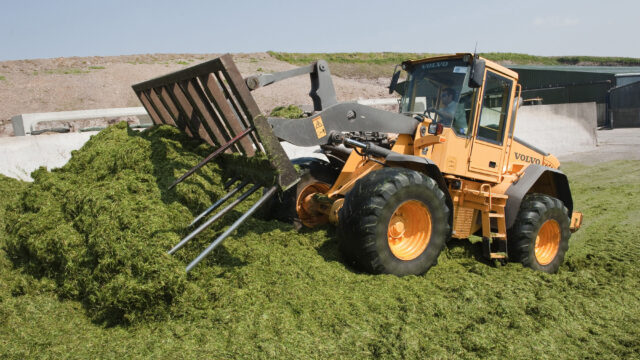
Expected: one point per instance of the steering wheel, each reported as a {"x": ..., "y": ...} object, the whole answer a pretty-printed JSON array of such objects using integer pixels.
[{"x": 430, "y": 114}]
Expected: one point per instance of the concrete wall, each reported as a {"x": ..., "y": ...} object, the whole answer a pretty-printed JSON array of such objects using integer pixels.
[
  {"x": 23, "y": 154},
  {"x": 23, "y": 124},
  {"x": 559, "y": 129}
]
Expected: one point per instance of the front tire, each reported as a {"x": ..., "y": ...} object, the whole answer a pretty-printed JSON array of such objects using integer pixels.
[
  {"x": 540, "y": 235},
  {"x": 394, "y": 221},
  {"x": 316, "y": 175}
]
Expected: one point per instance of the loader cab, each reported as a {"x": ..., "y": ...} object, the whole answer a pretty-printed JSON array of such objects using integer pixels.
[
  {"x": 439, "y": 89},
  {"x": 477, "y": 127}
]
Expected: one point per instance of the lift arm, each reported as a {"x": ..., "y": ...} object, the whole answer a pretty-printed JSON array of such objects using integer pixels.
[{"x": 322, "y": 91}]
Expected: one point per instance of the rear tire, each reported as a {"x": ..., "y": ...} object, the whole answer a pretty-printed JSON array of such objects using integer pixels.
[
  {"x": 540, "y": 235},
  {"x": 394, "y": 221}
]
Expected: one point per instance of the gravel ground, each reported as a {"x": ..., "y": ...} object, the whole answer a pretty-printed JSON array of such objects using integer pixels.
[
  {"x": 80, "y": 83},
  {"x": 616, "y": 144}
]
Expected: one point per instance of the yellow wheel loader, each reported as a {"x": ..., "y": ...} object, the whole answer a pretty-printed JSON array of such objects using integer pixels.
[{"x": 396, "y": 185}]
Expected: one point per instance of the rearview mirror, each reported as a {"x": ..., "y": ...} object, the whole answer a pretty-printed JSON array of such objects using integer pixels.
[
  {"x": 394, "y": 79},
  {"x": 477, "y": 73}
]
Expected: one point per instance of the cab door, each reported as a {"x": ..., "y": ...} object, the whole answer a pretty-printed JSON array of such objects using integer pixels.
[{"x": 488, "y": 148}]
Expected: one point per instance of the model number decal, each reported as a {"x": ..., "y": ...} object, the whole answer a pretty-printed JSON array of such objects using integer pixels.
[{"x": 527, "y": 158}]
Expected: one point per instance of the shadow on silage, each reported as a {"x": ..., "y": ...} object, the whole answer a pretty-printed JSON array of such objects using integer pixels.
[
  {"x": 169, "y": 160},
  {"x": 464, "y": 248}
]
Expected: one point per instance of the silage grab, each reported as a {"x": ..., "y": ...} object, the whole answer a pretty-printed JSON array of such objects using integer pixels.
[{"x": 212, "y": 102}]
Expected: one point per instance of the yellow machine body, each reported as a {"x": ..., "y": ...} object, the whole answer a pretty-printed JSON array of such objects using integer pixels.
[{"x": 482, "y": 170}]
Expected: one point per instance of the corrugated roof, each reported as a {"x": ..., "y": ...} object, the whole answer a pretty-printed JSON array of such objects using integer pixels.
[{"x": 573, "y": 68}]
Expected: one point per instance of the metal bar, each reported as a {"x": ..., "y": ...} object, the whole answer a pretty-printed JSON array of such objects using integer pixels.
[
  {"x": 192, "y": 118},
  {"x": 152, "y": 112},
  {"x": 164, "y": 98},
  {"x": 268, "y": 194},
  {"x": 219, "y": 202},
  {"x": 239, "y": 87},
  {"x": 213, "y": 91},
  {"x": 236, "y": 107},
  {"x": 210, "y": 157},
  {"x": 159, "y": 107},
  {"x": 256, "y": 81},
  {"x": 205, "y": 113},
  {"x": 212, "y": 219},
  {"x": 229, "y": 183}
]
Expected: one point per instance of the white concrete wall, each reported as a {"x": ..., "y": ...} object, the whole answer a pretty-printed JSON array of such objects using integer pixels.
[
  {"x": 558, "y": 129},
  {"x": 21, "y": 155},
  {"x": 23, "y": 124}
]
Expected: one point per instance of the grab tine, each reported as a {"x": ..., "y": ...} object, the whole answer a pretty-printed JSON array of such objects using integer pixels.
[
  {"x": 212, "y": 219},
  {"x": 233, "y": 227},
  {"x": 229, "y": 183},
  {"x": 219, "y": 202},
  {"x": 212, "y": 156}
]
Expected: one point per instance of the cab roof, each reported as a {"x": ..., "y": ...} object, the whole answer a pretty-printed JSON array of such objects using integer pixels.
[{"x": 468, "y": 56}]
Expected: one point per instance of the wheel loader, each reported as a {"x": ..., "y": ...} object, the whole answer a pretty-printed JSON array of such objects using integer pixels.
[{"x": 397, "y": 186}]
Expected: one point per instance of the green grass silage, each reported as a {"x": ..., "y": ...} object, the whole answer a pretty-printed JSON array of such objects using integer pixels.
[
  {"x": 100, "y": 226},
  {"x": 269, "y": 291}
]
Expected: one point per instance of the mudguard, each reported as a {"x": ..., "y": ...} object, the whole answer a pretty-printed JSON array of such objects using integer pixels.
[
  {"x": 424, "y": 166},
  {"x": 537, "y": 179}
]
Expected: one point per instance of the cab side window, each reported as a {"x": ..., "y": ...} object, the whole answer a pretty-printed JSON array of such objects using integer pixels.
[{"x": 495, "y": 108}]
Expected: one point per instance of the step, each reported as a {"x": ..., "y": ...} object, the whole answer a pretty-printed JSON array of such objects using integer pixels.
[
  {"x": 496, "y": 215},
  {"x": 499, "y": 235},
  {"x": 498, "y": 255}
]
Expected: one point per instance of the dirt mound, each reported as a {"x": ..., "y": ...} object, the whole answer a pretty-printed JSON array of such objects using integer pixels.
[{"x": 80, "y": 83}]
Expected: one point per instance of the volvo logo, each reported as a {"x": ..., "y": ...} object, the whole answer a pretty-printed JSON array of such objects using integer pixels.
[{"x": 527, "y": 158}]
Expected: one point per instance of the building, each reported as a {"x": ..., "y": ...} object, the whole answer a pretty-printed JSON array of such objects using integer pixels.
[{"x": 615, "y": 89}]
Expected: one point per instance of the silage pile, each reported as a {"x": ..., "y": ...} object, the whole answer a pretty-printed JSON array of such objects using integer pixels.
[
  {"x": 97, "y": 231},
  {"x": 101, "y": 225}
]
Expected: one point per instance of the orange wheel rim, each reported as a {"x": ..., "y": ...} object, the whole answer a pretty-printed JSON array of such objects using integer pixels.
[
  {"x": 308, "y": 218},
  {"x": 547, "y": 242},
  {"x": 409, "y": 230}
]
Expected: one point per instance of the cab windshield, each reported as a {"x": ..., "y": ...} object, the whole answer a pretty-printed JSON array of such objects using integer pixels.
[{"x": 439, "y": 89}]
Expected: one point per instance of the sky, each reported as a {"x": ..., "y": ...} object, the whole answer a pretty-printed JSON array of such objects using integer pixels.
[{"x": 31, "y": 29}]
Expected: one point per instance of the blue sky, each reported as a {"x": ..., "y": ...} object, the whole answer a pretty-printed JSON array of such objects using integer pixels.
[{"x": 44, "y": 29}]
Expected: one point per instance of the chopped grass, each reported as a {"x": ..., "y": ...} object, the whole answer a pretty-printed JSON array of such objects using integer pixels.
[
  {"x": 2, "y": 78},
  {"x": 66, "y": 71},
  {"x": 287, "y": 112},
  {"x": 270, "y": 292},
  {"x": 97, "y": 67}
]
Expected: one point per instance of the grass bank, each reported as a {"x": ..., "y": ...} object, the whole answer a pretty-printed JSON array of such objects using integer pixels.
[
  {"x": 269, "y": 291},
  {"x": 380, "y": 64}
]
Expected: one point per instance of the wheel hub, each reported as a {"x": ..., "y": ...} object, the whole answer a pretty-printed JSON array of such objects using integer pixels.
[
  {"x": 409, "y": 230},
  {"x": 305, "y": 206},
  {"x": 396, "y": 227},
  {"x": 547, "y": 242}
]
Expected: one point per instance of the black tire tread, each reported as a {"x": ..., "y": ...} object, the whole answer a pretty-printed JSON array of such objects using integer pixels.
[
  {"x": 534, "y": 210},
  {"x": 363, "y": 208}
]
